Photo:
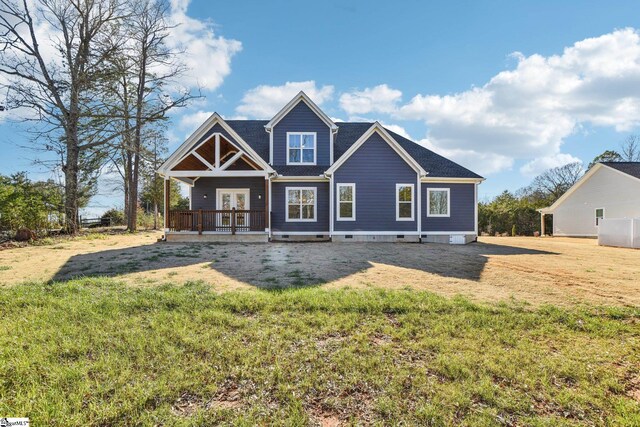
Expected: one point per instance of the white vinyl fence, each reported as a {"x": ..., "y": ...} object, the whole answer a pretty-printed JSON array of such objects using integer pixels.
[{"x": 624, "y": 232}]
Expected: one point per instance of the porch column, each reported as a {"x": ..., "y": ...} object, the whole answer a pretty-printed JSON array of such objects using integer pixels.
[
  {"x": 541, "y": 224},
  {"x": 167, "y": 199}
]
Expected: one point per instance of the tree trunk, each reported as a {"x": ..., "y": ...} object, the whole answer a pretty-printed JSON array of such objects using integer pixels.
[{"x": 71, "y": 188}]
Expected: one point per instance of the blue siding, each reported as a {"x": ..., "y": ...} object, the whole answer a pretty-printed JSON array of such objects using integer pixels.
[
  {"x": 209, "y": 185},
  {"x": 376, "y": 169},
  {"x": 301, "y": 119},
  {"x": 462, "y": 205},
  {"x": 278, "y": 208}
]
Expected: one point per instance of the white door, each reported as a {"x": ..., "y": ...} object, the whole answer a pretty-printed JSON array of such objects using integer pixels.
[{"x": 233, "y": 198}]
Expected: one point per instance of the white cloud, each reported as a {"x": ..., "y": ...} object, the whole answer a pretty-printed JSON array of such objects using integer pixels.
[
  {"x": 378, "y": 99},
  {"x": 265, "y": 101},
  {"x": 189, "y": 122},
  {"x": 207, "y": 56},
  {"x": 537, "y": 166},
  {"x": 527, "y": 112},
  {"x": 479, "y": 162}
]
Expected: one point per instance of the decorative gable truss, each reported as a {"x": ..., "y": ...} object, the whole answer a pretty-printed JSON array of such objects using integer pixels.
[{"x": 220, "y": 154}]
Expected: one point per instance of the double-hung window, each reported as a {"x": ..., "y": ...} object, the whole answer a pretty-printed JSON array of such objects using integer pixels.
[
  {"x": 301, "y": 148},
  {"x": 301, "y": 204},
  {"x": 404, "y": 202},
  {"x": 346, "y": 202},
  {"x": 438, "y": 202}
]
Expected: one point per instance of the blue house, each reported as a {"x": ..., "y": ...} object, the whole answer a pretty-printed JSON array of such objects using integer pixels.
[{"x": 301, "y": 176}]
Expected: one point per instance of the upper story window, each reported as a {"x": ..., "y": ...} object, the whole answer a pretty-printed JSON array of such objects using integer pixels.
[
  {"x": 404, "y": 202},
  {"x": 301, "y": 148},
  {"x": 438, "y": 203}
]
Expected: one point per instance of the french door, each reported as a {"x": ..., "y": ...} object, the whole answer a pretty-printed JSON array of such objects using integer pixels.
[{"x": 233, "y": 198}]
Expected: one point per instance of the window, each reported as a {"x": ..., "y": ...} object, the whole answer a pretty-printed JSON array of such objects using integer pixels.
[
  {"x": 301, "y": 148},
  {"x": 599, "y": 215},
  {"x": 404, "y": 202},
  {"x": 438, "y": 202},
  {"x": 301, "y": 204},
  {"x": 346, "y": 202}
]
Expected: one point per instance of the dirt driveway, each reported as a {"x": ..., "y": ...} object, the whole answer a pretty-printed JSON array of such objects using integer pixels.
[{"x": 543, "y": 270}]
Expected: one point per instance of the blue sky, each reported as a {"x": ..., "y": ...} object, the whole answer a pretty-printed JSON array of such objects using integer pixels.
[{"x": 505, "y": 88}]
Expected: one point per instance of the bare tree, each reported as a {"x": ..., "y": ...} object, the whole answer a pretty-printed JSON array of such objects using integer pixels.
[
  {"x": 54, "y": 75},
  {"x": 554, "y": 182},
  {"x": 630, "y": 149},
  {"x": 146, "y": 89}
]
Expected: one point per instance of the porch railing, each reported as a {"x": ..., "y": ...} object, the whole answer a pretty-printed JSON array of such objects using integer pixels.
[{"x": 229, "y": 221}]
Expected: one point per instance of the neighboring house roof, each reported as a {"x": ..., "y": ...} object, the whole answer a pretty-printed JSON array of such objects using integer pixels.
[
  {"x": 253, "y": 132},
  {"x": 631, "y": 169}
]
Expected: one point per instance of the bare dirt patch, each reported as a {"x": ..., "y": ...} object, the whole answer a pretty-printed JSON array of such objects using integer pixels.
[{"x": 536, "y": 270}]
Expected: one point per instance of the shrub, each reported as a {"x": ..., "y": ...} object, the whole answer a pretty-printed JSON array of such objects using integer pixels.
[{"x": 116, "y": 216}]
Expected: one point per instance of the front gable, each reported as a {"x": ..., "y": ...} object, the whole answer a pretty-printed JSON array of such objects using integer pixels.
[
  {"x": 303, "y": 116},
  {"x": 214, "y": 149}
]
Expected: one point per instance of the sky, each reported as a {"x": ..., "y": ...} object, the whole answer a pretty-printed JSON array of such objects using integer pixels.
[{"x": 505, "y": 88}]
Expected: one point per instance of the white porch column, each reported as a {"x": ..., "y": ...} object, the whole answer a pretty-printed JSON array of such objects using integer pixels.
[
  {"x": 541, "y": 224},
  {"x": 167, "y": 199}
]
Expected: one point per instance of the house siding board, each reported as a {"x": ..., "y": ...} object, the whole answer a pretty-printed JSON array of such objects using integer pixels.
[
  {"x": 617, "y": 193},
  {"x": 301, "y": 119},
  {"x": 376, "y": 168},
  {"x": 462, "y": 208},
  {"x": 278, "y": 208},
  {"x": 209, "y": 186}
]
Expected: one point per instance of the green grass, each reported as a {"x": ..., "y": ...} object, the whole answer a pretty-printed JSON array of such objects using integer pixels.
[{"x": 95, "y": 352}]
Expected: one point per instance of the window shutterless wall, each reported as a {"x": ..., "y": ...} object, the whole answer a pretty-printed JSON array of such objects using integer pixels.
[{"x": 461, "y": 208}]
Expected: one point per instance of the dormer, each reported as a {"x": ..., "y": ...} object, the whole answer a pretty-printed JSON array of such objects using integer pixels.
[{"x": 301, "y": 134}]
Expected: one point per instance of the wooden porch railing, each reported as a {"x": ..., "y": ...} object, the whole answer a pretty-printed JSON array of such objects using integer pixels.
[{"x": 229, "y": 221}]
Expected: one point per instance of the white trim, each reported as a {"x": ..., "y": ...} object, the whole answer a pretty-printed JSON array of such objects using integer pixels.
[
  {"x": 377, "y": 127},
  {"x": 231, "y": 160},
  {"x": 315, "y": 204},
  {"x": 595, "y": 212},
  {"x": 574, "y": 235},
  {"x": 373, "y": 233},
  {"x": 190, "y": 198},
  {"x": 307, "y": 178},
  {"x": 270, "y": 146},
  {"x": 448, "y": 191},
  {"x": 300, "y": 97},
  {"x": 190, "y": 174},
  {"x": 331, "y": 138},
  {"x": 413, "y": 202},
  {"x": 475, "y": 197},
  {"x": 189, "y": 182},
  {"x": 435, "y": 179},
  {"x": 202, "y": 159},
  {"x": 419, "y": 192},
  {"x": 270, "y": 202},
  {"x": 214, "y": 119},
  {"x": 331, "y": 203},
  {"x": 220, "y": 233},
  {"x": 443, "y": 233},
  {"x": 300, "y": 233},
  {"x": 217, "y": 150},
  {"x": 353, "y": 201},
  {"x": 315, "y": 149}
]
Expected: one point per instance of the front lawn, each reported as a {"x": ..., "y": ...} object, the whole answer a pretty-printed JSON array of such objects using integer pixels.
[{"x": 97, "y": 352}]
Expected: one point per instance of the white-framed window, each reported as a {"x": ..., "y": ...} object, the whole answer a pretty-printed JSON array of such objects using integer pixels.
[
  {"x": 301, "y": 148},
  {"x": 438, "y": 202},
  {"x": 346, "y": 202},
  {"x": 404, "y": 202},
  {"x": 599, "y": 215},
  {"x": 301, "y": 204}
]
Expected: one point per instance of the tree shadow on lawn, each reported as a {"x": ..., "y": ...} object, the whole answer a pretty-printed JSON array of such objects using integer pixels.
[{"x": 285, "y": 265}]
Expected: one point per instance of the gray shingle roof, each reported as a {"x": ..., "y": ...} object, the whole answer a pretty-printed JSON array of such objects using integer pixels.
[
  {"x": 253, "y": 132},
  {"x": 630, "y": 168}
]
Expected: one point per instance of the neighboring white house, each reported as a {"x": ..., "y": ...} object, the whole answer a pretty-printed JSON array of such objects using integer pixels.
[{"x": 607, "y": 190}]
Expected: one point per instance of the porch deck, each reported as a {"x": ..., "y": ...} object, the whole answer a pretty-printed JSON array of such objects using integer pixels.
[{"x": 211, "y": 223}]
